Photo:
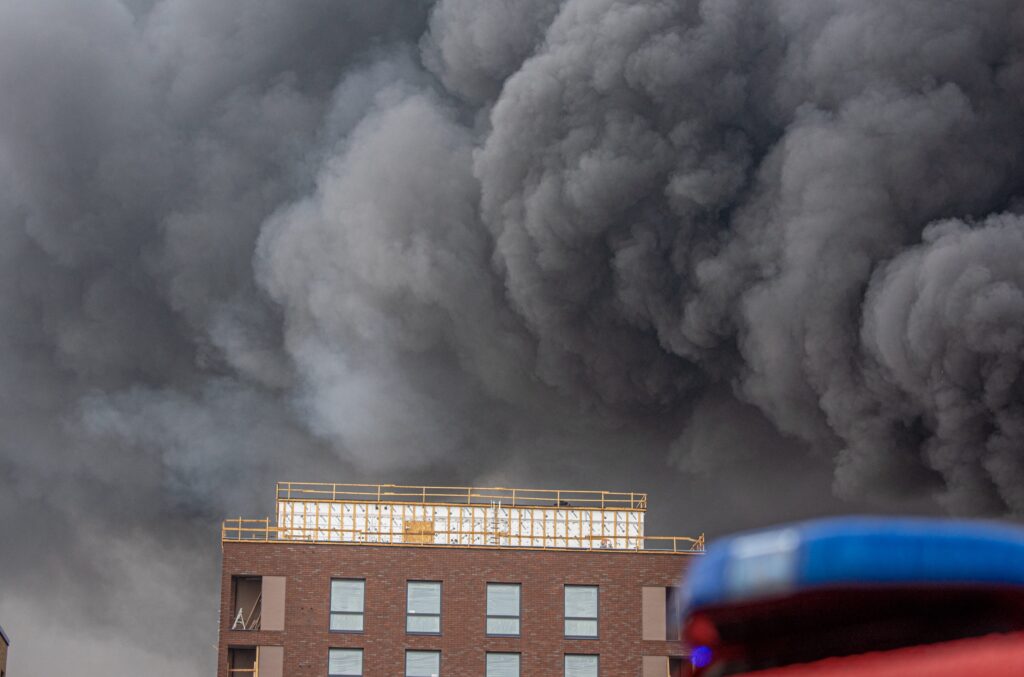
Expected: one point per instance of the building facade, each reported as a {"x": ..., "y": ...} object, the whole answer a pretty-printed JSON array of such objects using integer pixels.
[
  {"x": 5, "y": 644},
  {"x": 418, "y": 581}
]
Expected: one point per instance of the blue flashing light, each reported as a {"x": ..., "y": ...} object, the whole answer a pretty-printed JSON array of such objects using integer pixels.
[
  {"x": 701, "y": 657},
  {"x": 854, "y": 551}
]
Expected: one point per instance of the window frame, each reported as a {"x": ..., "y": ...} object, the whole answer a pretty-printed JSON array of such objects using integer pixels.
[
  {"x": 488, "y": 616},
  {"x": 518, "y": 654},
  {"x": 440, "y": 609},
  {"x": 596, "y": 618},
  {"x": 405, "y": 672},
  {"x": 236, "y": 580},
  {"x": 565, "y": 660},
  {"x": 235, "y": 672},
  {"x": 673, "y": 620},
  {"x": 331, "y": 612},
  {"x": 362, "y": 657}
]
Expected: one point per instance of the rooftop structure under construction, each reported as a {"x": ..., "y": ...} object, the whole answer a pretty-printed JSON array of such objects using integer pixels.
[{"x": 359, "y": 580}]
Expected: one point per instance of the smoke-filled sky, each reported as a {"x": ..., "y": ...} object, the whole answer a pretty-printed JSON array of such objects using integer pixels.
[{"x": 764, "y": 260}]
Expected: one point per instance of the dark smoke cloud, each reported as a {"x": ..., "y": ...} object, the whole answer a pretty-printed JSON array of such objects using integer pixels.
[{"x": 771, "y": 246}]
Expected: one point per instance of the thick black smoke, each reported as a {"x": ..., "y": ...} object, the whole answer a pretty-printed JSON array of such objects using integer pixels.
[{"x": 777, "y": 245}]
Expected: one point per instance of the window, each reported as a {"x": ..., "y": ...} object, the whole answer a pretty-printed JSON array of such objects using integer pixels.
[
  {"x": 423, "y": 607},
  {"x": 578, "y": 665},
  {"x": 347, "y": 605},
  {"x": 422, "y": 663},
  {"x": 581, "y": 611},
  {"x": 673, "y": 614},
  {"x": 242, "y": 661},
  {"x": 247, "y": 595},
  {"x": 345, "y": 663},
  {"x": 502, "y": 665},
  {"x": 502, "y": 608}
]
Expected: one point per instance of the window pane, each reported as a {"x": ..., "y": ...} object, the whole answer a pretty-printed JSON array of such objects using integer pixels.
[
  {"x": 580, "y": 666},
  {"x": 580, "y": 601},
  {"x": 422, "y": 663},
  {"x": 347, "y": 595},
  {"x": 347, "y": 622},
  {"x": 345, "y": 662},
  {"x": 423, "y": 624},
  {"x": 502, "y": 600},
  {"x": 424, "y": 598},
  {"x": 502, "y": 626},
  {"x": 502, "y": 665},
  {"x": 580, "y": 628}
]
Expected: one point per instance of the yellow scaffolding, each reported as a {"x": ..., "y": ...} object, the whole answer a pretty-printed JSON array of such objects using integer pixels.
[
  {"x": 242, "y": 530},
  {"x": 513, "y": 498}
]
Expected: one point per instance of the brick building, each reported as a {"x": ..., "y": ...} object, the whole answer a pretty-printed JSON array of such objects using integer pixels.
[
  {"x": 383, "y": 580},
  {"x": 5, "y": 644}
]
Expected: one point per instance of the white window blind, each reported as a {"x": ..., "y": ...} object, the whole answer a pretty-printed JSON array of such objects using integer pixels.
[
  {"x": 345, "y": 663},
  {"x": 423, "y": 607},
  {"x": 422, "y": 663},
  {"x": 502, "y": 609},
  {"x": 502, "y": 665},
  {"x": 581, "y": 611},
  {"x": 347, "y": 599},
  {"x": 580, "y": 666}
]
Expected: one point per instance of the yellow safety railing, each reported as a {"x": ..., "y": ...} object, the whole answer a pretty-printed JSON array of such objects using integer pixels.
[
  {"x": 397, "y": 493},
  {"x": 238, "y": 530}
]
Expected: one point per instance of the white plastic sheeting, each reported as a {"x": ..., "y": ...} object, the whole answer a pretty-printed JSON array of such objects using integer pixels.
[{"x": 528, "y": 527}]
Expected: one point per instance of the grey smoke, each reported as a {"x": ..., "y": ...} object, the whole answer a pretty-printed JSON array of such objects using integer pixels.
[{"x": 775, "y": 246}]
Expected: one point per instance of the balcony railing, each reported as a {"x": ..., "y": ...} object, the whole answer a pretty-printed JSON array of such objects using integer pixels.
[
  {"x": 397, "y": 493},
  {"x": 261, "y": 531}
]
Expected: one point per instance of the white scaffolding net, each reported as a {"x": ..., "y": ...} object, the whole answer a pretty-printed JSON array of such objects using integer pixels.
[{"x": 562, "y": 526}]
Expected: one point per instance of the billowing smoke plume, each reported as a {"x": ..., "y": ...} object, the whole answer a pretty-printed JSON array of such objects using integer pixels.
[{"x": 777, "y": 245}]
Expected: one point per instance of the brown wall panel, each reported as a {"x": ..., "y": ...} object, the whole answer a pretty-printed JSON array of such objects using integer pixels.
[
  {"x": 271, "y": 661},
  {"x": 653, "y": 619},
  {"x": 654, "y": 666},
  {"x": 273, "y": 603}
]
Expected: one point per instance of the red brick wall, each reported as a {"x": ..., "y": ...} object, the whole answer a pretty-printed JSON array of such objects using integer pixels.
[{"x": 464, "y": 573}]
